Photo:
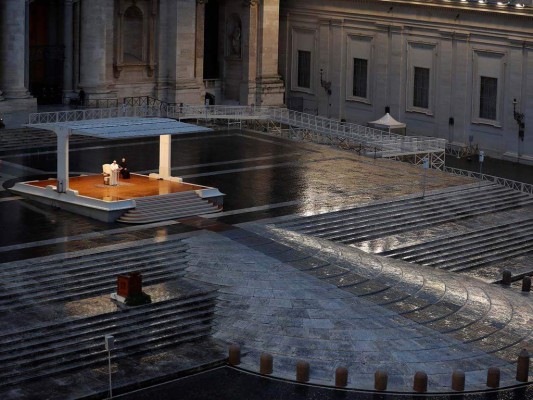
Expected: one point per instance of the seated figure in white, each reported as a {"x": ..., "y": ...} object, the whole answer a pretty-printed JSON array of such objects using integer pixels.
[{"x": 113, "y": 179}]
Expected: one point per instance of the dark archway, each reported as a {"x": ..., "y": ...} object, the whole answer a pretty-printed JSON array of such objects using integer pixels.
[
  {"x": 46, "y": 51},
  {"x": 211, "y": 67}
]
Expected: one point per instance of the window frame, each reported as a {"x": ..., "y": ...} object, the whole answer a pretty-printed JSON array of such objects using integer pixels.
[
  {"x": 421, "y": 55},
  {"x": 490, "y": 64},
  {"x": 303, "y": 39},
  {"x": 359, "y": 46}
]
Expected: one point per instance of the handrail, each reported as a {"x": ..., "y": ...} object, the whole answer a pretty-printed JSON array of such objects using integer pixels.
[
  {"x": 509, "y": 183},
  {"x": 387, "y": 143}
]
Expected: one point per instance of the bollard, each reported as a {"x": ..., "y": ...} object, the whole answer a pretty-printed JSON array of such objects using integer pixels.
[
  {"x": 265, "y": 364},
  {"x": 522, "y": 366},
  {"x": 493, "y": 377},
  {"x": 506, "y": 278},
  {"x": 420, "y": 383},
  {"x": 526, "y": 284},
  {"x": 458, "y": 381},
  {"x": 302, "y": 371},
  {"x": 341, "y": 376},
  {"x": 380, "y": 380},
  {"x": 234, "y": 354}
]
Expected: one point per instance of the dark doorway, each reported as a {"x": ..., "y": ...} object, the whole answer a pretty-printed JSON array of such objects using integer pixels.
[
  {"x": 211, "y": 41},
  {"x": 46, "y": 51}
]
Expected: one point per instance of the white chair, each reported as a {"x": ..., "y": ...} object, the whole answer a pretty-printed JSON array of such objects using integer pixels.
[{"x": 106, "y": 172}]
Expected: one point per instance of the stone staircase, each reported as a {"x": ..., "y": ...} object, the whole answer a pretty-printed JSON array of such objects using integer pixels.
[
  {"x": 82, "y": 276},
  {"x": 386, "y": 218},
  {"x": 165, "y": 207},
  {"x": 58, "y": 348},
  {"x": 461, "y": 252}
]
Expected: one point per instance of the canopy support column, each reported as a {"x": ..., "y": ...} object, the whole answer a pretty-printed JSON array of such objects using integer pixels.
[
  {"x": 165, "y": 148},
  {"x": 63, "y": 135}
]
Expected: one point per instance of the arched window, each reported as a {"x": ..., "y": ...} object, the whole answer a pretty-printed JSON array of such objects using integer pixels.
[{"x": 133, "y": 35}]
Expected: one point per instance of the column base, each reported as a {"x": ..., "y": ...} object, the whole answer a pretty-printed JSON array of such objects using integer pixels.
[
  {"x": 266, "y": 91},
  {"x": 270, "y": 91},
  {"x": 187, "y": 92},
  {"x": 15, "y": 112}
]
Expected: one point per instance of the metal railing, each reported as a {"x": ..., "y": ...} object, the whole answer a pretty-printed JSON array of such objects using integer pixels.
[
  {"x": 386, "y": 143},
  {"x": 515, "y": 185}
]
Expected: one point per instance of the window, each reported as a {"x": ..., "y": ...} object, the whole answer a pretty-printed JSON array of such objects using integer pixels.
[
  {"x": 488, "y": 97},
  {"x": 421, "y": 87},
  {"x": 360, "y": 77},
  {"x": 304, "y": 69}
]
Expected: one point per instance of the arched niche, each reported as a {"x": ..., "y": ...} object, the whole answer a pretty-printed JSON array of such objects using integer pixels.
[
  {"x": 135, "y": 35},
  {"x": 234, "y": 37}
]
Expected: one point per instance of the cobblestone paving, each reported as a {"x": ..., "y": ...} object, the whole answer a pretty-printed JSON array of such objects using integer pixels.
[{"x": 305, "y": 299}]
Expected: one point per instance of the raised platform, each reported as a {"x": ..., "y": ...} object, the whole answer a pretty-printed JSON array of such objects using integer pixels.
[{"x": 89, "y": 196}]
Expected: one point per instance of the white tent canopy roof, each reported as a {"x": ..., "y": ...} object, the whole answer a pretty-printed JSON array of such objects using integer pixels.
[
  {"x": 122, "y": 128},
  {"x": 387, "y": 122}
]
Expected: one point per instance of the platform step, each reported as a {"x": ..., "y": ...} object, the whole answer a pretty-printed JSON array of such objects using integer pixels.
[{"x": 175, "y": 206}]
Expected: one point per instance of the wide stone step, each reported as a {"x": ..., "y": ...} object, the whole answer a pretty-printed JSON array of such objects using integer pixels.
[
  {"x": 315, "y": 220},
  {"x": 42, "y": 331},
  {"x": 465, "y": 250},
  {"x": 37, "y": 276},
  {"x": 61, "y": 343},
  {"x": 489, "y": 257},
  {"x": 447, "y": 242},
  {"x": 95, "y": 356},
  {"x": 410, "y": 207},
  {"x": 154, "y": 217},
  {"x": 100, "y": 255},
  {"x": 53, "y": 294},
  {"x": 387, "y": 218},
  {"x": 401, "y": 224}
]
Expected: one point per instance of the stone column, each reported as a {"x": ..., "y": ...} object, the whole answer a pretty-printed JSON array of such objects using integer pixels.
[
  {"x": 184, "y": 85},
  {"x": 12, "y": 45},
  {"x": 93, "y": 50},
  {"x": 63, "y": 135},
  {"x": 249, "y": 53},
  {"x": 200, "y": 27},
  {"x": 165, "y": 154},
  {"x": 68, "y": 36},
  {"x": 270, "y": 88}
]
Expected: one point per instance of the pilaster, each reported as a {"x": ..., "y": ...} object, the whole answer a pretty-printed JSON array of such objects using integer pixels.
[
  {"x": 12, "y": 49},
  {"x": 68, "y": 64},
  {"x": 182, "y": 82},
  {"x": 96, "y": 15},
  {"x": 249, "y": 52},
  {"x": 269, "y": 86}
]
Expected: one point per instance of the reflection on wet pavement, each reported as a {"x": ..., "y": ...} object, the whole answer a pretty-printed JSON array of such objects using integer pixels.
[{"x": 288, "y": 293}]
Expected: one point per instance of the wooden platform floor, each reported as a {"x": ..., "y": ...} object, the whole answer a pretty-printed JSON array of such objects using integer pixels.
[{"x": 135, "y": 187}]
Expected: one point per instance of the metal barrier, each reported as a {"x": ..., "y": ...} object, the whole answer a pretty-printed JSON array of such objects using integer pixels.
[
  {"x": 519, "y": 186},
  {"x": 323, "y": 130}
]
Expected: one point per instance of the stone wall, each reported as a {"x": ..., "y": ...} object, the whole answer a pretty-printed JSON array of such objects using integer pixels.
[{"x": 457, "y": 43}]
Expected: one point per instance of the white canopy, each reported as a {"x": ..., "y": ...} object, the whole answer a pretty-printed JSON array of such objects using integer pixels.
[
  {"x": 125, "y": 127},
  {"x": 387, "y": 122}
]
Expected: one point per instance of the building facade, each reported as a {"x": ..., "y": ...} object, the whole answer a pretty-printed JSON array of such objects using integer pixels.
[
  {"x": 454, "y": 69},
  {"x": 450, "y": 69},
  {"x": 173, "y": 50}
]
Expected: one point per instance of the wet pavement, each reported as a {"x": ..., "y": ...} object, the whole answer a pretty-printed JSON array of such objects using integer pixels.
[{"x": 281, "y": 292}]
